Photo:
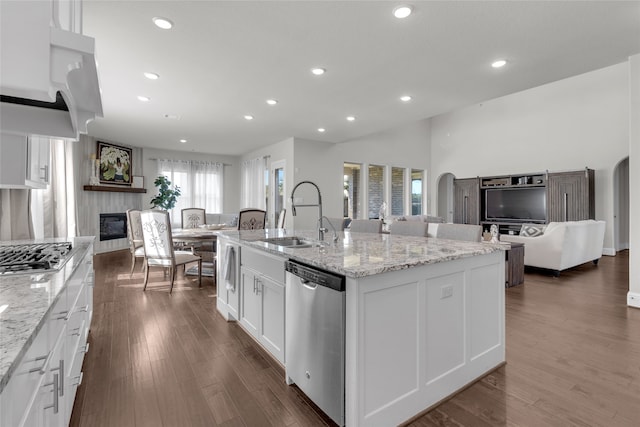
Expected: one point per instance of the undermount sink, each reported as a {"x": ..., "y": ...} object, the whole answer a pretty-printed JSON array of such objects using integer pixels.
[{"x": 290, "y": 242}]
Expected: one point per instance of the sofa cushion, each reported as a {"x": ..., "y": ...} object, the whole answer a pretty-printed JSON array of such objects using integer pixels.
[{"x": 532, "y": 230}]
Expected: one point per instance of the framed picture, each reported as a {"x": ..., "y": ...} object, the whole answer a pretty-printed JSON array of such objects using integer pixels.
[{"x": 115, "y": 164}]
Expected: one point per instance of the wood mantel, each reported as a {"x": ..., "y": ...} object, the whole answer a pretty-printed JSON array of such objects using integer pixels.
[{"x": 114, "y": 189}]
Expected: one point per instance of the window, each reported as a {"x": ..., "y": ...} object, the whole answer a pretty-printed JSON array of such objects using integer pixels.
[
  {"x": 397, "y": 191},
  {"x": 351, "y": 194},
  {"x": 375, "y": 191},
  {"x": 417, "y": 193},
  {"x": 201, "y": 185}
]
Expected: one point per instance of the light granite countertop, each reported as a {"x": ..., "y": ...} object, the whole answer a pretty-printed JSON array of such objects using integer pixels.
[
  {"x": 364, "y": 254},
  {"x": 25, "y": 301}
]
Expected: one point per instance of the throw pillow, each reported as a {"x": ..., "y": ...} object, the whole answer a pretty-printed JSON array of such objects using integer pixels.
[{"x": 532, "y": 230}]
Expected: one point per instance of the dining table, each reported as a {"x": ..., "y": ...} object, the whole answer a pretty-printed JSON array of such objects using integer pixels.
[{"x": 197, "y": 239}]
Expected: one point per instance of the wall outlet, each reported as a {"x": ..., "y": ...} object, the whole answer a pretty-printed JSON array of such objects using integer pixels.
[{"x": 446, "y": 291}]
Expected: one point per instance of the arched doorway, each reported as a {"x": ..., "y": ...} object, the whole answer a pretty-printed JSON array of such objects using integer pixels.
[
  {"x": 621, "y": 205},
  {"x": 445, "y": 196}
]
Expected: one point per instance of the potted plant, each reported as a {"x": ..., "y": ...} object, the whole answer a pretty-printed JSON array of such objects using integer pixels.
[{"x": 167, "y": 197}]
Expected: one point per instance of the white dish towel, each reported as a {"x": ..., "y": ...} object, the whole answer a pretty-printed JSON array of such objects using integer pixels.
[{"x": 230, "y": 268}]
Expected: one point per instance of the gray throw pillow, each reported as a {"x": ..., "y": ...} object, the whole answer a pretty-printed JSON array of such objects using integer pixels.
[{"x": 532, "y": 230}]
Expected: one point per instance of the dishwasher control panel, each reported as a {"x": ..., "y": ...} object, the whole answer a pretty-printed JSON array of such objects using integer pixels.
[{"x": 316, "y": 275}]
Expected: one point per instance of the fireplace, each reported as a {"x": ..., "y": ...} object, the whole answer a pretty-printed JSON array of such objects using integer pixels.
[{"x": 113, "y": 226}]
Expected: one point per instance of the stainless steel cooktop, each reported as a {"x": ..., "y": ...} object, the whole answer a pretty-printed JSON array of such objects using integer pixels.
[{"x": 33, "y": 257}]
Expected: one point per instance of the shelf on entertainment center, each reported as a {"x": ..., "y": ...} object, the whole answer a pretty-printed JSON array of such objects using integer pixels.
[{"x": 112, "y": 189}]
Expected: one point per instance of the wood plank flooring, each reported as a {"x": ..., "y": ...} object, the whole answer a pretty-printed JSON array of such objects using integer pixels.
[{"x": 573, "y": 358}]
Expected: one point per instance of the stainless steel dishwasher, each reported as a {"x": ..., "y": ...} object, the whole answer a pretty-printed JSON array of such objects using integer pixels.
[{"x": 315, "y": 336}]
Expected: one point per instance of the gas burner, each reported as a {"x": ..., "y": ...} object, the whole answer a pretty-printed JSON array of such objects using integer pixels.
[{"x": 33, "y": 257}]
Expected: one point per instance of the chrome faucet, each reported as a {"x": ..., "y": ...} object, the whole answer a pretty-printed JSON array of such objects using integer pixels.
[{"x": 321, "y": 229}]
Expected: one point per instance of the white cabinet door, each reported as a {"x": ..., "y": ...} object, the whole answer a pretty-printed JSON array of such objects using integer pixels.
[
  {"x": 272, "y": 324},
  {"x": 38, "y": 152},
  {"x": 24, "y": 162},
  {"x": 251, "y": 302}
]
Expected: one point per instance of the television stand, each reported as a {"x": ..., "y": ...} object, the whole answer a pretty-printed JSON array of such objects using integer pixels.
[{"x": 503, "y": 227}]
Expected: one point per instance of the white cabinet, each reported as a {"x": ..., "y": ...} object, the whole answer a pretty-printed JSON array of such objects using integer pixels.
[
  {"x": 42, "y": 389},
  {"x": 24, "y": 161},
  {"x": 262, "y": 299},
  {"x": 228, "y": 300}
]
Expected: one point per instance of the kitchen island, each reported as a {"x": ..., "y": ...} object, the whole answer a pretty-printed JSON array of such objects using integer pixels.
[
  {"x": 44, "y": 324},
  {"x": 424, "y": 317}
]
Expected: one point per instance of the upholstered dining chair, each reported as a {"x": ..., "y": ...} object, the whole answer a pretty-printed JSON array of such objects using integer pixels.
[
  {"x": 251, "y": 219},
  {"x": 193, "y": 217},
  {"x": 409, "y": 228},
  {"x": 366, "y": 226},
  {"x": 338, "y": 223},
  {"x": 134, "y": 235},
  {"x": 281, "y": 217},
  {"x": 158, "y": 246},
  {"x": 467, "y": 232}
]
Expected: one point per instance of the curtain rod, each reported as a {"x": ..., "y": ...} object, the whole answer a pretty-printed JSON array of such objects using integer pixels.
[{"x": 203, "y": 161}]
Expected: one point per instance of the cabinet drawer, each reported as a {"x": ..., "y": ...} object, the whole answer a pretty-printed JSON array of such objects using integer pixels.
[{"x": 269, "y": 266}]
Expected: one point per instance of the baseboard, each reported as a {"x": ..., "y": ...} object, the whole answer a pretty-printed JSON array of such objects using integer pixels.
[
  {"x": 609, "y": 251},
  {"x": 633, "y": 299}
]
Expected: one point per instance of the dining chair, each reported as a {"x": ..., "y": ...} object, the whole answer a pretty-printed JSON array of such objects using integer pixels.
[
  {"x": 281, "y": 216},
  {"x": 193, "y": 217},
  {"x": 466, "y": 232},
  {"x": 338, "y": 223},
  {"x": 366, "y": 226},
  {"x": 134, "y": 235},
  {"x": 158, "y": 246},
  {"x": 251, "y": 219},
  {"x": 409, "y": 228}
]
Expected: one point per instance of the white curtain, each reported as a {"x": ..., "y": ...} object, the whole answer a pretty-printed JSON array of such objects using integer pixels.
[
  {"x": 253, "y": 185},
  {"x": 54, "y": 209},
  {"x": 201, "y": 185}
]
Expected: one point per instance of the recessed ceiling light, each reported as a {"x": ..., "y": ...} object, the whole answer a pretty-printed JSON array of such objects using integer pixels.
[
  {"x": 183, "y": 141},
  {"x": 151, "y": 76},
  {"x": 163, "y": 23},
  {"x": 321, "y": 130},
  {"x": 143, "y": 98},
  {"x": 272, "y": 101},
  {"x": 499, "y": 63},
  {"x": 248, "y": 117},
  {"x": 402, "y": 11},
  {"x": 171, "y": 116},
  {"x": 405, "y": 98},
  {"x": 318, "y": 71},
  {"x": 351, "y": 118}
]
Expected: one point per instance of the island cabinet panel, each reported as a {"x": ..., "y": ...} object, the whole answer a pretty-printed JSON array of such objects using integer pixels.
[
  {"x": 228, "y": 299},
  {"x": 418, "y": 335},
  {"x": 262, "y": 299}
]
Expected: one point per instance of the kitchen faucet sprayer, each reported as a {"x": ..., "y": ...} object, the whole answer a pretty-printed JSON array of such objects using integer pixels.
[{"x": 321, "y": 230}]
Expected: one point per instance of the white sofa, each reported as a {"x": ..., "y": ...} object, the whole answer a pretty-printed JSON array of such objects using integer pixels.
[{"x": 562, "y": 245}]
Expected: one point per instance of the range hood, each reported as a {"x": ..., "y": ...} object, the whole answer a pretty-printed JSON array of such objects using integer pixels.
[{"x": 49, "y": 80}]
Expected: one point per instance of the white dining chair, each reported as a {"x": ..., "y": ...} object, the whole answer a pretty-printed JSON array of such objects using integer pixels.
[
  {"x": 134, "y": 236},
  {"x": 409, "y": 228},
  {"x": 251, "y": 219},
  {"x": 193, "y": 217},
  {"x": 467, "y": 232},
  {"x": 158, "y": 246},
  {"x": 366, "y": 226}
]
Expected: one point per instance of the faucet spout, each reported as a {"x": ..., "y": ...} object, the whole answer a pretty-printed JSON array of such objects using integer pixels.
[{"x": 321, "y": 229}]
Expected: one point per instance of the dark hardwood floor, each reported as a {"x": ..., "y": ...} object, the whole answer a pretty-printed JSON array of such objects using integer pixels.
[{"x": 573, "y": 358}]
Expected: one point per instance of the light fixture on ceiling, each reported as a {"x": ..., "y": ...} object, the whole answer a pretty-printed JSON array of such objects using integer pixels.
[
  {"x": 405, "y": 98},
  {"x": 163, "y": 23},
  {"x": 351, "y": 118},
  {"x": 151, "y": 76},
  {"x": 143, "y": 98},
  {"x": 171, "y": 116},
  {"x": 272, "y": 101},
  {"x": 248, "y": 117},
  {"x": 499, "y": 63},
  {"x": 321, "y": 130},
  {"x": 183, "y": 141},
  {"x": 318, "y": 71},
  {"x": 403, "y": 11}
]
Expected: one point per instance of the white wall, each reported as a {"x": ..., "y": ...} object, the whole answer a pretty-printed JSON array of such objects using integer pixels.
[
  {"x": 566, "y": 125},
  {"x": 633, "y": 298},
  {"x": 231, "y": 198}
]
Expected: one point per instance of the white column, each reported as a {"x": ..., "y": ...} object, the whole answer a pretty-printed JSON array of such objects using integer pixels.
[{"x": 633, "y": 297}]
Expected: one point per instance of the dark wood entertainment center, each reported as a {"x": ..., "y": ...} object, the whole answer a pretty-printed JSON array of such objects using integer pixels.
[{"x": 566, "y": 196}]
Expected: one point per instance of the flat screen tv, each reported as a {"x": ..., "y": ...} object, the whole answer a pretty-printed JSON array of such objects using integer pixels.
[{"x": 516, "y": 204}]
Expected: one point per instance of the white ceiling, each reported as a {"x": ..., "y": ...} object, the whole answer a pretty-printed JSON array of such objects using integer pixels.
[{"x": 223, "y": 60}]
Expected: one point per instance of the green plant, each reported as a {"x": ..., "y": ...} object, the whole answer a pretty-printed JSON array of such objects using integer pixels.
[{"x": 167, "y": 197}]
